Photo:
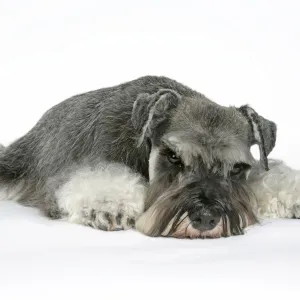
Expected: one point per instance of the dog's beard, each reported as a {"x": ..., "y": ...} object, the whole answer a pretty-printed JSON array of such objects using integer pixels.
[{"x": 167, "y": 213}]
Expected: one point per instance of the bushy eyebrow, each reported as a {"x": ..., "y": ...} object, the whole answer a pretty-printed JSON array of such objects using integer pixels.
[
  {"x": 226, "y": 155},
  {"x": 167, "y": 148},
  {"x": 168, "y": 145}
]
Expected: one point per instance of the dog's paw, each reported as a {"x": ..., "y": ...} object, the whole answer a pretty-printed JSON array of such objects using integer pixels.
[
  {"x": 296, "y": 212},
  {"x": 108, "y": 220},
  {"x": 108, "y": 216}
]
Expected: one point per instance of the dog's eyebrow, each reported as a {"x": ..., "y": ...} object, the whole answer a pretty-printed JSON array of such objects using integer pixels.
[
  {"x": 230, "y": 152},
  {"x": 233, "y": 154},
  {"x": 166, "y": 147},
  {"x": 186, "y": 150},
  {"x": 169, "y": 144}
]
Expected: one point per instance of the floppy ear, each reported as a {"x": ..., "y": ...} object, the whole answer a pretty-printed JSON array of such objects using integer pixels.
[
  {"x": 261, "y": 131},
  {"x": 149, "y": 111}
]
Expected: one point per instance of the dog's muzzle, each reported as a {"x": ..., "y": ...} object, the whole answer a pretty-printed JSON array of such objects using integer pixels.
[{"x": 196, "y": 208}]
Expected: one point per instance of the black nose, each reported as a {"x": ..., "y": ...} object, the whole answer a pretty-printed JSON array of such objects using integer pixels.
[{"x": 204, "y": 222}]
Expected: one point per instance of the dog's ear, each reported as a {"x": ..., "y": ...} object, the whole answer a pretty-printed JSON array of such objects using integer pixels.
[
  {"x": 261, "y": 132},
  {"x": 151, "y": 110}
]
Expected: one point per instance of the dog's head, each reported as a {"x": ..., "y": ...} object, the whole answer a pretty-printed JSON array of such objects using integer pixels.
[{"x": 199, "y": 161}]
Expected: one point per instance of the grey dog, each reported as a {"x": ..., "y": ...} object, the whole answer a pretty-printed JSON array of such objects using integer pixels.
[{"x": 150, "y": 153}]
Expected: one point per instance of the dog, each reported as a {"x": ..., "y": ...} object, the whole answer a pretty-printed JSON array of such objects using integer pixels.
[{"x": 150, "y": 154}]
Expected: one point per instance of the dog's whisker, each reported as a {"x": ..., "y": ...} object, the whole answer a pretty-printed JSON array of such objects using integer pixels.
[{"x": 181, "y": 221}]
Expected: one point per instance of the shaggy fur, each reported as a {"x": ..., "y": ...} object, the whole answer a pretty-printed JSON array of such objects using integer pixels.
[
  {"x": 108, "y": 197},
  {"x": 277, "y": 191},
  {"x": 151, "y": 151}
]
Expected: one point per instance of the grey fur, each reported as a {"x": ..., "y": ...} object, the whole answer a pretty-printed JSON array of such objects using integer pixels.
[
  {"x": 1, "y": 148},
  {"x": 122, "y": 124}
]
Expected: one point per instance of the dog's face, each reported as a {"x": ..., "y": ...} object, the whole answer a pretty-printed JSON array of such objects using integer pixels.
[{"x": 199, "y": 161}]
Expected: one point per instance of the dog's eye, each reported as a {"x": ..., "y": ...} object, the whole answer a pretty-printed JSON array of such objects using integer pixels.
[
  {"x": 173, "y": 158},
  {"x": 236, "y": 170},
  {"x": 239, "y": 169}
]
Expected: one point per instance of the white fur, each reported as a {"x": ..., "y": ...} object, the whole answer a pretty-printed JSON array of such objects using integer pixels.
[
  {"x": 255, "y": 127},
  {"x": 145, "y": 127},
  {"x": 111, "y": 189},
  {"x": 152, "y": 162},
  {"x": 277, "y": 191}
]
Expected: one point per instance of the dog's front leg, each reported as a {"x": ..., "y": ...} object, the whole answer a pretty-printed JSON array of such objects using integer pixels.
[{"x": 109, "y": 197}]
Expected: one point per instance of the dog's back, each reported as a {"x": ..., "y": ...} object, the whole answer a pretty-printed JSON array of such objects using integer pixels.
[{"x": 90, "y": 126}]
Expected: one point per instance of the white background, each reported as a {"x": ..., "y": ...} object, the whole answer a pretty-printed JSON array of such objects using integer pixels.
[{"x": 235, "y": 52}]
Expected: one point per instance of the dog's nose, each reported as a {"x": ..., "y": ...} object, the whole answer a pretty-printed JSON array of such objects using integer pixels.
[{"x": 204, "y": 222}]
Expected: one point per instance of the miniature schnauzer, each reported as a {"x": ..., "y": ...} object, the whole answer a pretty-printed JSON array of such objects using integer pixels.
[{"x": 150, "y": 154}]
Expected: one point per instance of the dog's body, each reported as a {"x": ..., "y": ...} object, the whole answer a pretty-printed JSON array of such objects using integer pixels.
[{"x": 151, "y": 150}]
